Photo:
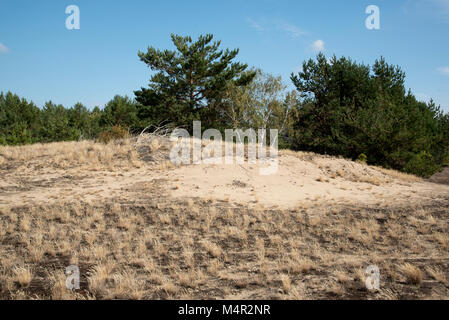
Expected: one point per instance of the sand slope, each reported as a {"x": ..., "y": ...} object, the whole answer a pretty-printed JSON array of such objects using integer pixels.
[
  {"x": 88, "y": 171},
  {"x": 303, "y": 178}
]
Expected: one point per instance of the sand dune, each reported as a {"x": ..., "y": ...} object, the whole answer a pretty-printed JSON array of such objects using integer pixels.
[
  {"x": 140, "y": 227},
  {"x": 72, "y": 171}
]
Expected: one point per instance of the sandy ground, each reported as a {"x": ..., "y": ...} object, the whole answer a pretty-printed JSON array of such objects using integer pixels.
[
  {"x": 140, "y": 227},
  {"x": 301, "y": 178}
]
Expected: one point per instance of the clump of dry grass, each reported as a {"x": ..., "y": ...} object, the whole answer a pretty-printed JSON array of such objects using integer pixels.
[
  {"x": 372, "y": 180},
  {"x": 241, "y": 283},
  {"x": 388, "y": 294},
  {"x": 127, "y": 285},
  {"x": 212, "y": 248},
  {"x": 342, "y": 276},
  {"x": 59, "y": 289},
  {"x": 412, "y": 273},
  {"x": 302, "y": 265},
  {"x": 286, "y": 283},
  {"x": 336, "y": 289},
  {"x": 23, "y": 275},
  {"x": 170, "y": 288},
  {"x": 214, "y": 267},
  {"x": 437, "y": 273},
  {"x": 443, "y": 240}
]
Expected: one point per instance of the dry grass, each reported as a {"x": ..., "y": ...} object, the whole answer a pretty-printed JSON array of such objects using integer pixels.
[
  {"x": 412, "y": 273},
  {"x": 437, "y": 274},
  {"x": 142, "y": 244},
  {"x": 86, "y": 154},
  {"x": 23, "y": 276},
  {"x": 399, "y": 175},
  {"x": 149, "y": 256},
  {"x": 286, "y": 283},
  {"x": 443, "y": 240}
]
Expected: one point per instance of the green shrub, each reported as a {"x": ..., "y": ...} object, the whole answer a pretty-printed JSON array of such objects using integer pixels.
[
  {"x": 446, "y": 160},
  {"x": 421, "y": 164},
  {"x": 362, "y": 158}
]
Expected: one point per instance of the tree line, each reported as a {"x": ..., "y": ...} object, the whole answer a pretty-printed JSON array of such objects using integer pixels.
[{"x": 338, "y": 107}]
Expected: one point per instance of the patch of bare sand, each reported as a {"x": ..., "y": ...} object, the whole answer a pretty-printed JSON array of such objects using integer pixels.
[{"x": 302, "y": 179}]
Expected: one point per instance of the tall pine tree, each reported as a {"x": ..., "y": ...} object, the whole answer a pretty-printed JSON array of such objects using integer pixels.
[{"x": 188, "y": 82}]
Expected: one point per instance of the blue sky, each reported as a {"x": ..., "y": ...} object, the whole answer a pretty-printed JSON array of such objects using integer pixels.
[{"x": 41, "y": 60}]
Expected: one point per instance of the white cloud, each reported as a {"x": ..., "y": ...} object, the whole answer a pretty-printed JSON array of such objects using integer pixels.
[
  {"x": 256, "y": 25},
  {"x": 444, "y": 70},
  {"x": 317, "y": 46},
  {"x": 443, "y": 4},
  {"x": 276, "y": 25},
  {"x": 292, "y": 30},
  {"x": 442, "y": 9},
  {"x": 3, "y": 48},
  {"x": 431, "y": 8}
]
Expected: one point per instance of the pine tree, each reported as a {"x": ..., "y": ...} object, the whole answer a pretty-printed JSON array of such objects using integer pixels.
[
  {"x": 120, "y": 111},
  {"x": 351, "y": 109},
  {"x": 18, "y": 120},
  {"x": 189, "y": 82}
]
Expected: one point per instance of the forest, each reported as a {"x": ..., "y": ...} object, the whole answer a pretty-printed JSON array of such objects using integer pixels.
[{"x": 339, "y": 107}]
